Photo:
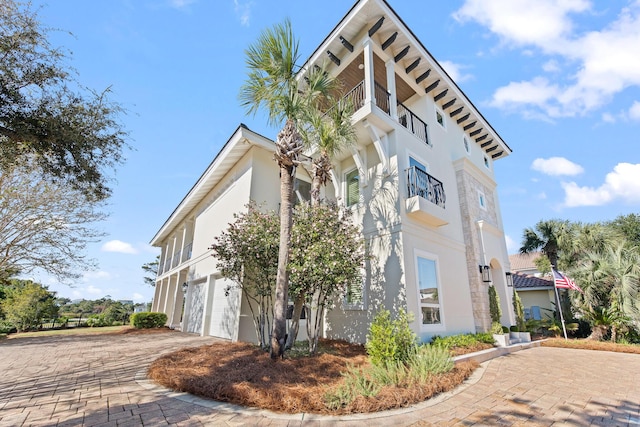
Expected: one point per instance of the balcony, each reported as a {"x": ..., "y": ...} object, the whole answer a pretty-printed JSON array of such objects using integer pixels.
[
  {"x": 425, "y": 197},
  {"x": 407, "y": 118},
  {"x": 186, "y": 252}
]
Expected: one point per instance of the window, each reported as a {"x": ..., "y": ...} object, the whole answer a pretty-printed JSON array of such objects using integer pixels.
[
  {"x": 486, "y": 162},
  {"x": 353, "y": 187},
  {"x": 429, "y": 292},
  {"x": 440, "y": 118},
  {"x": 354, "y": 295},
  {"x": 302, "y": 191},
  {"x": 466, "y": 144},
  {"x": 482, "y": 200}
]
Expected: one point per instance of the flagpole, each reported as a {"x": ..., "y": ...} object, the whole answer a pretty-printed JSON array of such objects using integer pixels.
[
  {"x": 558, "y": 304},
  {"x": 559, "y": 307}
]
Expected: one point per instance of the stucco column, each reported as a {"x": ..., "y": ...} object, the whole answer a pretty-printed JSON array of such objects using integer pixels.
[
  {"x": 369, "y": 82},
  {"x": 391, "y": 87}
]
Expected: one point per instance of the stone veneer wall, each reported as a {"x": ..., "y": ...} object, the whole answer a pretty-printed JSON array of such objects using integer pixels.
[{"x": 471, "y": 213}]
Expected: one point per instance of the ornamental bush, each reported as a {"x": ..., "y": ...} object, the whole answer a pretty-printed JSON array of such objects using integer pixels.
[
  {"x": 391, "y": 341},
  {"x": 148, "y": 320}
]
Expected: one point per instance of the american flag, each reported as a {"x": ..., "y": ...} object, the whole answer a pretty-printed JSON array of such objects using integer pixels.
[{"x": 563, "y": 282}]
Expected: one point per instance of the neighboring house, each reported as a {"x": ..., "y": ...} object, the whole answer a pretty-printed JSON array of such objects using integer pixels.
[
  {"x": 420, "y": 182},
  {"x": 536, "y": 291}
]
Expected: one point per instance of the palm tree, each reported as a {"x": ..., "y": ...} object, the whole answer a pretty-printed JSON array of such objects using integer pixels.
[
  {"x": 610, "y": 279},
  {"x": 547, "y": 236},
  {"x": 274, "y": 84},
  {"x": 329, "y": 133}
]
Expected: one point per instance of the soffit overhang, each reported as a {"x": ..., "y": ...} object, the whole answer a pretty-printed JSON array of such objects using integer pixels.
[
  {"x": 414, "y": 64},
  {"x": 240, "y": 142}
]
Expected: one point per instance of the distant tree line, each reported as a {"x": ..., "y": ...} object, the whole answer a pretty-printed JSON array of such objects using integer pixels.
[{"x": 26, "y": 306}]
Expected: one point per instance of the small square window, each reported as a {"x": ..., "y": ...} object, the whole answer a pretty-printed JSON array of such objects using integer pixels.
[
  {"x": 486, "y": 162},
  {"x": 466, "y": 145},
  {"x": 439, "y": 118}
]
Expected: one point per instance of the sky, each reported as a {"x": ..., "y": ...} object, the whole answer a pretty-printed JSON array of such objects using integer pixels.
[{"x": 559, "y": 80}]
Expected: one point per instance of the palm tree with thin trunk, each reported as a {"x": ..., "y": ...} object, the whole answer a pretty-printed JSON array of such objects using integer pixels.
[
  {"x": 328, "y": 133},
  {"x": 274, "y": 83},
  {"x": 547, "y": 236}
]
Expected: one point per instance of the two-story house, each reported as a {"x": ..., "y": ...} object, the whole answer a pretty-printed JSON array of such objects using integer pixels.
[{"x": 420, "y": 181}]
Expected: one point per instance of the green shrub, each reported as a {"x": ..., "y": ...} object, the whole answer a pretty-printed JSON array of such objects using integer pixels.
[
  {"x": 461, "y": 340},
  {"x": 356, "y": 383},
  {"x": 427, "y": 361},
  {"x": 390, "y": 340},
  {"x": 494, "y": 304},
  {"x": 97, "y": 321},
  {"x": 496, "y": 328},
  {"x": 7, "y": 327},
  {"x": 147, "y": 320},
  {"x": 518, "y": 309}
]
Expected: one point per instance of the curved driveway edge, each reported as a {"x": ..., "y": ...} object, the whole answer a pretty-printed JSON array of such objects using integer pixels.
[{"x": 91, "y": 381}]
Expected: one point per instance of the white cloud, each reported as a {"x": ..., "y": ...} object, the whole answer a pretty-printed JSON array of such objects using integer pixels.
[
  {"x": 556, "y": 166},
  {"x": 623, "y": 183},
  {"x": 551, "y": 66},
  {"x": 634, "y": 111},
  {"x": 92, "y": 275},
  {"x": 119, "y": 246},
  {"x": 181, "y": 4},
  {"x": 523, "y": 22},
  {"x": 608, "y": 118},
  {"x": 93, "y": 290},
  {"x": 599, "y": 63},
  {"x": 243, "y": 12},
  {"x": 138, "y": 297},
  {"x": 541, "y": 196},
  {"x": 455, "y": 71}
]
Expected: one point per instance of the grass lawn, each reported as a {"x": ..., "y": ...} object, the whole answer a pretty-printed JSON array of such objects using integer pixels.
[
  {"x": 87, "y": 331},
  {"x": 243, "y": 374},
  {"x": 592, "y": 345}
]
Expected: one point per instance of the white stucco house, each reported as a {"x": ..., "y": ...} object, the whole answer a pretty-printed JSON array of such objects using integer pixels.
[{"x": 420, "y": 181}]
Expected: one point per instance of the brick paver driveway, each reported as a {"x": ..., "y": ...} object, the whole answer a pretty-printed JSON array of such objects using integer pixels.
[{"x": 90, "y": 380}]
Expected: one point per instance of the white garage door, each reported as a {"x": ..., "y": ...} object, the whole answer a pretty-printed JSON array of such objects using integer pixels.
[
  {"x": 195, "y": 307},
  {"x": 224, "y": 310}
]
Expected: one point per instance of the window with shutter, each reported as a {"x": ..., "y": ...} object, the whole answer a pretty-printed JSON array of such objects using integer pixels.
[{"x": 353, "y": 187}]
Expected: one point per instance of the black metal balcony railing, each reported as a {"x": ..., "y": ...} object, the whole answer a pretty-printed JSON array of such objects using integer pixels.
[
  {"x": 420, "y": 183},
  {"x": 406, "y": 117},
  {"x": 415, "y": 124}
]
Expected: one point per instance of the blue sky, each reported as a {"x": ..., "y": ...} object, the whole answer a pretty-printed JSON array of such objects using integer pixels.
[{"x": 558, "y": 79}]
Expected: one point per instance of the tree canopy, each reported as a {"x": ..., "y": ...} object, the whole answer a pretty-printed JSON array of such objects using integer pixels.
[
  {"x": 44, "y": 226},
  {"x": 70, "y": 132}
]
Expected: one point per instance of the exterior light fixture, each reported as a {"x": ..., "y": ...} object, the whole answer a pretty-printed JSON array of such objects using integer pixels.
[
  {"x": 485, "y": 271},
  {"x": 509, "y": 277},
  {"x": 185, "y": 286}
]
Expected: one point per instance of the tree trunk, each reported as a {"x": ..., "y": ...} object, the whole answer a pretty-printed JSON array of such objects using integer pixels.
[
  {"x": 288, "y": 147},
  {"x": 298, "y": 305},
  {"x": 597, "y": 333}
]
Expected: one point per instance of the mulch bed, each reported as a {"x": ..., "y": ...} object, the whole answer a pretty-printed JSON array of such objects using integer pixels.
[
  {"x": 585, "y": 344},
  {"x": 242, "y": 374}
]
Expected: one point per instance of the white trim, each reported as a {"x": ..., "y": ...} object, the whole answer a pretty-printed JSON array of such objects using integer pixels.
[
  {"x": 418, "y": 159},
  {"x": 418, "y": 253}
]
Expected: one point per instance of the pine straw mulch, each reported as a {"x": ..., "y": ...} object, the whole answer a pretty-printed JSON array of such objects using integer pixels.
[
  {"x": 459, "y": 351},
  {"x": 242, "y": 374},
  {"x": 585, "y": 344},
  {"x": 130, "y": 330}
]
